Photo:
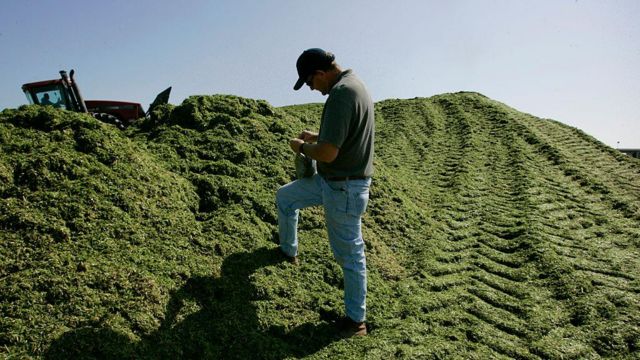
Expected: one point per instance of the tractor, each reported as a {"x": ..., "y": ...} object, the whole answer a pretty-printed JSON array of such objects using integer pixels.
[{"x": 64, "y": 93}]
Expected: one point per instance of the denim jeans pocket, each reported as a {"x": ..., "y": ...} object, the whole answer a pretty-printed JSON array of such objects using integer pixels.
[
  {"x": 350, "y": 198},
  {"x": 357, "y": 201},
  {"x": 336, "y": 196}
]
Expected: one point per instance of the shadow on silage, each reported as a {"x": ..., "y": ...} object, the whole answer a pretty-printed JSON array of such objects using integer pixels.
[{"x": 225, "y": 327}]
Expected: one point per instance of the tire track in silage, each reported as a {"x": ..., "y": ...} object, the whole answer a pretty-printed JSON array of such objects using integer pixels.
[
  {"x": 542, "y": 276},
  {"x": 620, "y": 172},
  {"x": 401, "y": 148},
  {"x": 452, "y": 155},
  {"x": 437, "y": 257},
  {"x": 586, "y": 215},
  {"x": 588, "y": 163},
  {"x": 475, "y": 264},
  {"x": 500, "y": 285},
  {"x": 575, "y": 265}
]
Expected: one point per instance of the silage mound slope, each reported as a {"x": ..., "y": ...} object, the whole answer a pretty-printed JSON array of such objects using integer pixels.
[{"x": 490, "y": 234}]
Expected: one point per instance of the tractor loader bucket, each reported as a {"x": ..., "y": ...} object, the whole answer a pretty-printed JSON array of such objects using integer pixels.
[{"x": 162, "y": 98}]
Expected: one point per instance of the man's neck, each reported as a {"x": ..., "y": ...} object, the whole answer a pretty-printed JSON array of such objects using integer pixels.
[{"x": 334, "y": 76}]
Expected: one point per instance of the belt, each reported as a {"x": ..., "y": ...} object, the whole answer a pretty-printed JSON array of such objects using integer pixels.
[{"x": 345, "y": 178}]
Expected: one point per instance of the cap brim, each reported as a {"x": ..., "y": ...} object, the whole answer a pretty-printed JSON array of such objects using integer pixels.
[{"x": 298, "y": 84}]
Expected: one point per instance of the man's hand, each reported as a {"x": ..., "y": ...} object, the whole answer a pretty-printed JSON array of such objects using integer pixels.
[
  {"x": 308, "y": 136},
  {"x": 323, "y": 152},
  {"x": 295, "y": 144}
]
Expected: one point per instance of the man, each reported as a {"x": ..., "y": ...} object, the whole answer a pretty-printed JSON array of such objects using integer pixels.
[
  {"x": 45, "y": 100},
  {"x": 343, "y": 150}
]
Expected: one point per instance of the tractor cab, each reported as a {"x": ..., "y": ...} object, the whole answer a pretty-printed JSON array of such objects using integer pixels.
[{"x": 50, "y": 92}]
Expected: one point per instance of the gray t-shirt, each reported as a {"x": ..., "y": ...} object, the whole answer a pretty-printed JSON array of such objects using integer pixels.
[{"x": 348, "y": 123}]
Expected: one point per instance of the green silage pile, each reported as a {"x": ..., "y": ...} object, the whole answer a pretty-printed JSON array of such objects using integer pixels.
[
  {"x": 104, "y": 232},
  {"x": 94, "y": 230},
  {"x": 490, "y": 234}
]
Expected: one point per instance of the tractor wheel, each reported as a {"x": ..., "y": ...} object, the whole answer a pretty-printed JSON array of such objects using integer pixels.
[{"x": 109, "y": 119}]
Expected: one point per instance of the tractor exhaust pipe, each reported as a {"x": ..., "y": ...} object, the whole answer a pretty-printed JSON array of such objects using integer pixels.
[{"x": 74, "y": 92}]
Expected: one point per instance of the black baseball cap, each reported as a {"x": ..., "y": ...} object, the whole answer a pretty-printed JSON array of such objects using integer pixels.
[{"x": 310, "y": 61}]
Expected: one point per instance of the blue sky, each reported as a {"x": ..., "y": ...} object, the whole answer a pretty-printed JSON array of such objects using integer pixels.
[{"x": 575, "y": 61}]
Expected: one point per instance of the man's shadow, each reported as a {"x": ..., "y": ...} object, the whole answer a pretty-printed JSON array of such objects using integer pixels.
[{"x": 226, "y": 325}]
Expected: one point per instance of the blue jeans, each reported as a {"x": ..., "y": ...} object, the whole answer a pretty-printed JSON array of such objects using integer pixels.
[{"x": 344, "y": 203}]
